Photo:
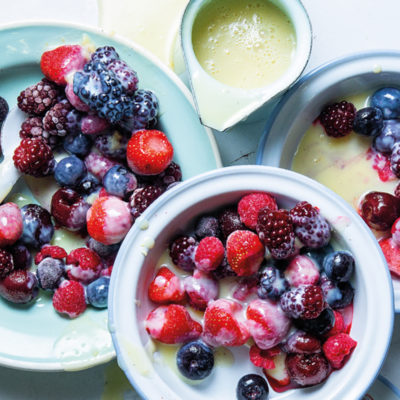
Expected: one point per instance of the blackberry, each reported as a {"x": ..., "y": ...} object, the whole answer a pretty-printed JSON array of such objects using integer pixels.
[
  {"x": 6, "y": 263},
  {"x": 142, "y": 197},
  {"x": 32, "y": 127},
  {"x": 113, "y": 146},
  {"x": 172, "y": 174},
  {"x": 182, "y": 252},
  {"x": 126, "y": 75},
  {"x": 38, "y": 98},
  {"x": 3, "y": 109},
  {"x": 337, "y": 119},
  {"x": 105, "y": 55},
  {"x": 395, "y": 159},
  {"x": 101, "y": 90},
  {"x": 317, "y": 326},
  {"x": 55, "y": 121},
  {"x": 315, "y": 232},
  {"x": 272, "y": 283},
  {"x": 301, "y": 211},
  {"x": 229, "y": 221},
  {"x": 368, "y": 121}
]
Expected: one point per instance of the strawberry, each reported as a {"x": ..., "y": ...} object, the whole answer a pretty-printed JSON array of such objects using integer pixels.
[
  {"x": 83, "y": 265},
  {"x": 337, "y": 348},
  {"x": 263, "y": 358},
  {"x": 267, "y": 323},
  {"x": 244, "y": 252},
  {"x": 392, "y": 254},
  {"x": 201, "y": 289},
  {"x": 57, "y": 64},
  {"x": 302, "y": 271},
  {"x": 166, "y": 287},
  {"x": 69, "y": 299},
  {"x": 10, "y": 224},
  {"x": 47, "y": 250},
  {"x": 209, "y": 254},
  {"x": 172, "y": 324},
  {"x": 149, "y": 152},
  {"x": 250, "y": 205},
  {"x": 278, "y": 376},
  {"x": 223, "y": 324}
]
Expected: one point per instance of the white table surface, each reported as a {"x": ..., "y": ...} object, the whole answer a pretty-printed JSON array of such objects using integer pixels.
[{"x": 340, "y": 27}]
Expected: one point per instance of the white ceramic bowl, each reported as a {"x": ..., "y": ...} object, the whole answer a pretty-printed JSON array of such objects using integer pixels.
[
  {"x": 171, "y": 214},
  {"x": 299, "y": 107}
]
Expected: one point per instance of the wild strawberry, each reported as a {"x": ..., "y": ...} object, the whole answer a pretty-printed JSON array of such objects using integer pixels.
[
  {"x": 267, "y": 323},
  {"x": 302, "y": 271},
  {"x": 306, "y": 302},
  {"x": 6, "y": 263},
  {"x": 209, "y": 254},
  {"x": 149, "y": 152},
  {"x": 224, "y": 325},
  {"x": 10, "y": 224},
  {"x": 47, "y": 250},
  {"x": 250, "y": 205},
  {"x": 244, "y": 252},
  {"x": 108, "y": 220},
  {"x": 263, "y": 358},
  {"x": 392, "y": 254},
  {"x": 337, "y": 119},
  {"x": 337, "y": 348},
  {"x": 172, "y": 324},
  {"x": 275, "y": 230},
  {"x": 201, "y": 289},
  {"x": 279, "y": 375},
  {"x": 57, "y": 64},
  {"x": 166, "y": 287},
  {"x": 69, "y": 299},
  {"x": 83, "y": 265},
  {"x": 307, "y": 369}
]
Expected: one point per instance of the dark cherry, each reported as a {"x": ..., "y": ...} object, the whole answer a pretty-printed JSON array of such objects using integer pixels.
[
  {"x": 20, "y": 286},
  {"x": 302, "y": 342},
  {"x": 22, "y": 256},
  {"x": 379, "y": 210},
  {"x": 307, "y": 369}
]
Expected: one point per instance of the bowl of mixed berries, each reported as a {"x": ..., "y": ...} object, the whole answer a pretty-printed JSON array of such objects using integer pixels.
[{"x": 250, "y": 283}]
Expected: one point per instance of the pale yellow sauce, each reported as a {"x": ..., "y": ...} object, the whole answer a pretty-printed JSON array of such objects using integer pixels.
[
  {"x": 340, "y": 164},
  {"x": 243, "y": 43}
]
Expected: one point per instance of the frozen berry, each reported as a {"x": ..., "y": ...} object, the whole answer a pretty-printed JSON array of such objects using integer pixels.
[
  {"x": 75, "y": 101},
  {"x": 69, "y": 209},
  {"x": 207, "y": 225},
  {"x": 69, "y": 299},
  {"x": 395, "y": 159},
  {"x": 83, "y": 265},
  {"x": 389, "y": 135},
  {"x": 195, "y": 360},
  {"x": 97, "y": 292},
  {"x": 32, "y": 127},
  {"x": 88, "y": 184},
  {"x": 339, "y": 266},
  {"x": 10, "y": 224},
  {"x": 112, "y": 145},
  {"x": 337, "y": 119},
  {"x": 317, "y": 255},
  {"x": 104, "y": 251},
  {"x": 392, "y": 254},
  {"x": 38, "y": 228},
  {"x": 6, "y": 263},
  {"x": 21, "y": 255},
  {"x": 368, "y": 121},
  {"x": 20, "y": 286},
  {"x": 201, "y": 289},
  {"x": 48, "y": 250},
  {"x": 78, "y": 144},
  {"x": 307, "y": 369},
  {"x": 142, "y": 197},
  {"x": 223, "y": 271},
  {"x": 92, "y": 124},
  {"x": 263, "y": 358},
  {"x": 166, "y": 287},
  {"x": 125, "y": 74},
  {"x": 105, "y": 54},
  {"x": 209, "y": 254},
  {"x": 302, "y": 271},
  {"x": 49, "y": 273},
  {"x": 275, "y": 230},
  {"x": 337, "y": 295},
  {"x": 70, "y": 171},
  {"x": 182, "y": 252},
  {"x": 38, "y": 98},
  {"x": 388, "y": 100},
  {"x": 171, "y": 175},
  {"x": 379, "y": 210},
  {"x": 229, "y": 221},
  {"x": 395, "y": 231},
  {"x": 302, "y": 342},
  {"x": 98, "y": 165},
  {"x": 34, "y": 157},
  {"x": 3, "y": 109},
  {"x": 272, "y": 283},
  {"x": 118, "y": 181},
  {"x": 55, "y": 121},
  {"x": 317, "y": 326},
  {"x": 252, "y": 387},
  {"x": 337, "y": 348}
]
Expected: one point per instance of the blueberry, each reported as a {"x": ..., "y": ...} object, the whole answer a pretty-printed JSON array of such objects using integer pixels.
[
  {"x": 368, "y": 121},
  {"x": 207, "y": 225},
  {"x": 101, "y": 249},
  {"x": 388, "y": 100},
  {"x": 317, "y": 255},
  {"x": 252, "y": 387},
  {"x": 339, "y": 266},
  {"x": 37, "y": 226},
  {"x": 69, "y": 171},
  {"x": 337, "y": 295},
  {"x": 118, "y": 181},
  {"x": 79, "y": 144},
  {"x": 317, "y": 326},
  {"x": 97, "y": 292},
  {"x": 390, "y": 134},
  {"x": 49, "y": 273},
  {"x": 195, "y": 360},
  {"x": 88, "y": 184},
  {"x": 272, "y": 283}
]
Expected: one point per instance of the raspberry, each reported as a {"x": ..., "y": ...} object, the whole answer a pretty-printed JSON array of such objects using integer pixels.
[
  {"x": 307, "y": 369},
  {"x": 337, "y": 119},
  {"x": 105, "y": 54},
  {"x": 275, "y": 230},
  {"x": 126, "y": 75},
  {"x": 209, "y": 254},
  {"x": 141, "y": 198},
  {"x": 83, "y": 265},
  {"x": 182, "y": 252},
  {"x": 69, "y": 299},
  {"x": 395, "y": 159},
  {"x": 34, "y": 157},
  {"x": 47, "y": 250},
  {"x": 55, "y": 120},
  {"x": 3, "y": 109},
  {"x": 229, "y": 221},
  {"x": 6, "y": 263},
  {"x": 113, "y": 146},
  {"x": 306, "y": 302},
  {"x": 337, "y": 347},
  {"x": 263, "y": 358},
  {"x": 250, "y": 205},
  {"x": 392, "y": 254},
  {"x": 38, "y": 98}
]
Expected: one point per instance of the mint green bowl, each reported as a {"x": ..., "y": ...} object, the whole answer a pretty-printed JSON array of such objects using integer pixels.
[{"x": 34, "y": 336}]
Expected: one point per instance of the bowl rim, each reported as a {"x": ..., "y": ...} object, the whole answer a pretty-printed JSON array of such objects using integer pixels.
[{"x": 234, "y": 170}]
